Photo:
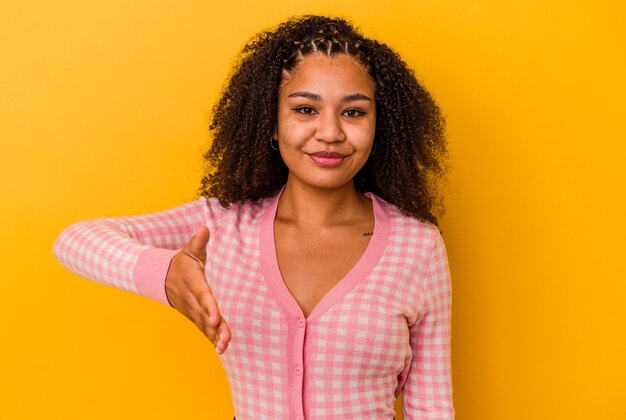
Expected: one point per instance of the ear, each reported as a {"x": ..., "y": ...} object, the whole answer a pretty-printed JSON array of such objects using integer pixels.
[{"x": 275, "y": 133}]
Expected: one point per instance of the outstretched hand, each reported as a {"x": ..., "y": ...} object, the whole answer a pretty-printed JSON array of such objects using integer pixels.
[{"x": 189, "y": 293}]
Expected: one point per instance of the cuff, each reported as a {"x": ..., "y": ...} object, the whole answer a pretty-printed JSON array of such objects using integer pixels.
[{"x": 150, "y": 272}]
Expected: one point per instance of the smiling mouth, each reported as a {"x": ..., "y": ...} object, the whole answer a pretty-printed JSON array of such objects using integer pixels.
[{"x": 327, "y": 159}]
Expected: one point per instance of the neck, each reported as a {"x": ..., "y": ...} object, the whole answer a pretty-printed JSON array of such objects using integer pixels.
[{"x": 317, "y": 208}]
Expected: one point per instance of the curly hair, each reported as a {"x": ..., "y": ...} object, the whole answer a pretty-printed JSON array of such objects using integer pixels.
[{"x": 409, "y": 160}]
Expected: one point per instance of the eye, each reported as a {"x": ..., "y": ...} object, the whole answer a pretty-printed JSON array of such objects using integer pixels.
[
  {"x": 306, "y": 110},
  {"x": 354, "y": 113}
]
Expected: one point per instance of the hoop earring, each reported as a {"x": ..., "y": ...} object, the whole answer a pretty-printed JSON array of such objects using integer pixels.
[{"x": 272, "y": 142}]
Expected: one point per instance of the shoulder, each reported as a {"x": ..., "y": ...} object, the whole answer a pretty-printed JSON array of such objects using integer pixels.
[
  {"x": 242, "y": 212},
  {"x": 407, "y": 229}
]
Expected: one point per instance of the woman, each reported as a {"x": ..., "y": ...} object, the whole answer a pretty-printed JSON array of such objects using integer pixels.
[{"x": 315, "y": 233}]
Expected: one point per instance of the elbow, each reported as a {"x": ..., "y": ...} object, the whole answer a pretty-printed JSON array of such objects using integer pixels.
[
  {"x": 63, "y": 244},
  {"x": 66, "y": 247}
]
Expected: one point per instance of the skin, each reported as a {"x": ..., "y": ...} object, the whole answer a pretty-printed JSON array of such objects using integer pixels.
[
  {"x": 323, "y": 225},
  {"x": 327, "y": 105}
]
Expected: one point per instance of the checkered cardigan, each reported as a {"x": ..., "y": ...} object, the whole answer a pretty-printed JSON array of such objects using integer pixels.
[{"x": 382, "y": 330}]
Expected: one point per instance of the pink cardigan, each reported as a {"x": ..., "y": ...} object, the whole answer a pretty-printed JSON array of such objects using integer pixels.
[{"x": 382, "y": 330}]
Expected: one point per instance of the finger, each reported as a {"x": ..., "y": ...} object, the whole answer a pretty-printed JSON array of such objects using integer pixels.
[
  {"x": 193, "y": 257},
  {"x": 209, "y": 305},
  {"x": 219, "y": 335},
  {"x": 224, "y": 336},
  {"x": 196, "y": 314},
  {"x": 198, "y": 287},
  {"x": 198, "y": 243},
  {"x": 207, "y": 329},
  {"x": 211, "y": 334}
]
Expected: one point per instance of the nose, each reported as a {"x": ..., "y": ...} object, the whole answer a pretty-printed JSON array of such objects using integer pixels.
[{"x": 329, "y": 129}]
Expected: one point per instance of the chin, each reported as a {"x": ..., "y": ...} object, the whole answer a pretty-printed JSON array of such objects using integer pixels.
[
  {"x": 324, "y": 179},
  {"x": 328, "y": 184}
]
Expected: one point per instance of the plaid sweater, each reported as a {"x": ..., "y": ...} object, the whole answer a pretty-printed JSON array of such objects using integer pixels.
[{"x": 382, "y": 330}]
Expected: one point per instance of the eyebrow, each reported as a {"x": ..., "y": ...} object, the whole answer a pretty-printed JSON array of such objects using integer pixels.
[{"x": 317, "y": 98}]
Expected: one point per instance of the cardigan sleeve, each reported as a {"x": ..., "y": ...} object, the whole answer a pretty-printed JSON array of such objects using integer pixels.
[
  {"x": 134, "y": 253},
  {"x": 427, "y": 392}
]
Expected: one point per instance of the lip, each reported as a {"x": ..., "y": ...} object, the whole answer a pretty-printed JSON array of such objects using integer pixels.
[
  {"x": 327, "y": 159},
  {"x": 327, "y": 154}
]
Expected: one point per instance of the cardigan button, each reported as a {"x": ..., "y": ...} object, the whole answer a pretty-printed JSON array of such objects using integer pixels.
[
  {"x": 301, "y": 322},
  {"x": 298, "y": 370}
]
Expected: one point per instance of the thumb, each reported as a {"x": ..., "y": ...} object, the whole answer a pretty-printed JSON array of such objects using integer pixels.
[{"x": 197, "y": 244}]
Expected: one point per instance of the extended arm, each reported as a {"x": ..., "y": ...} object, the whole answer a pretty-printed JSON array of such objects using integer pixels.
[
  {"x": 147, "y": 254},
  {"x": 131, "y": 253},
  {"x": 428, "y": 390}
]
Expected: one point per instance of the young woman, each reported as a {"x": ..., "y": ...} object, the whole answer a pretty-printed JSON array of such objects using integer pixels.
[{"x": 312, "y": 260}]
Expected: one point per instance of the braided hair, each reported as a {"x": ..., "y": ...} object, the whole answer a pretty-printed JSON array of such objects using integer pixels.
[{"x": 408, "y": 164}]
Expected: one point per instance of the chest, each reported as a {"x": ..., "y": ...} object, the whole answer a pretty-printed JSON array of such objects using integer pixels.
[{"x": 313, "y": 261}]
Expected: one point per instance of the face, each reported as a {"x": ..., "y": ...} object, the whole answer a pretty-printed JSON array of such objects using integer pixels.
[{"x": 326, "y": 121}]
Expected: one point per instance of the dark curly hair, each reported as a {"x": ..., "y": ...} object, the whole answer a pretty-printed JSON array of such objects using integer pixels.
[{"x": 409, "y": 160}]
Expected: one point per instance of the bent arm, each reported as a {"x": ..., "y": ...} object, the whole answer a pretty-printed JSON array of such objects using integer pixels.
[
  {"x": 133, "y": 253},
  {"x": 428, "y": 390}
]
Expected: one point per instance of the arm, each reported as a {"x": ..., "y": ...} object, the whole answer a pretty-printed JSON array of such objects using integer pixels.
[
  {"x": 428, "y": 390},
  {"x": 144, "y": 254},
  {"x": 133, "y": 253}
]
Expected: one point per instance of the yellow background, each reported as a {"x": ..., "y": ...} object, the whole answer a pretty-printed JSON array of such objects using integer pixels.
[{"x": 103, "y": 112}]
